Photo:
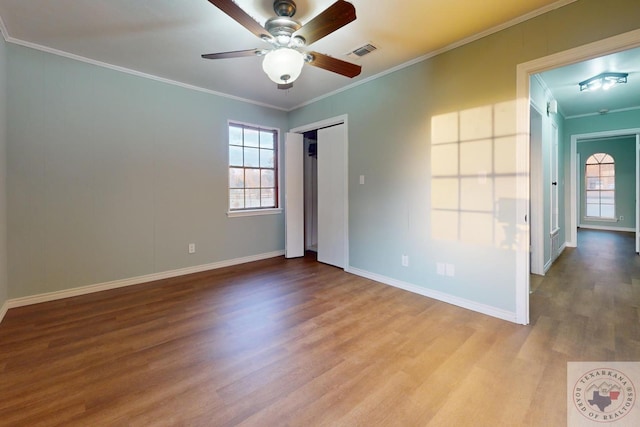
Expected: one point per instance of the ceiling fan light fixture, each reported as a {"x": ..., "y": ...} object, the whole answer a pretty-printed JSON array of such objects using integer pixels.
[
  {"x": 604, "y": 81},
  {"x": 283, "y": 65}
]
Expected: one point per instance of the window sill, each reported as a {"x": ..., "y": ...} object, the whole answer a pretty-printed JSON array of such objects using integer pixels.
[
  {"x": 595, "y": 219},
  {"x": 255, "y": 212}
]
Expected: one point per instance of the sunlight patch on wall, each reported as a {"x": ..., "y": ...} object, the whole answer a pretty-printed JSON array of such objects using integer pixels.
[{"x": 474, "y": 171}]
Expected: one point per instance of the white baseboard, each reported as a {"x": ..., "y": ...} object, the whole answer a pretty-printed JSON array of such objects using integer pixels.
[
  {"x": 83, "y": 290},
  {"x": 3, "y": 310},
  {"x": 440, "y": 296},
  {"x": 606, "y": 228}
]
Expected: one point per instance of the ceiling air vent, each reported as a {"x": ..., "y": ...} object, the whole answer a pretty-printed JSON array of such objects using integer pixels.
[{"x": 362, "y": 50}]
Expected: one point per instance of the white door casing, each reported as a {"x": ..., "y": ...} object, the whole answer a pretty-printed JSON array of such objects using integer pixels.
[
  {"x": 294, "y": 195},
  {"x": 331, "y": 195}
]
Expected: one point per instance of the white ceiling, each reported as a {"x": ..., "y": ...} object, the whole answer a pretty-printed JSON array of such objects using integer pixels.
[{"x": 165, "y": 38}]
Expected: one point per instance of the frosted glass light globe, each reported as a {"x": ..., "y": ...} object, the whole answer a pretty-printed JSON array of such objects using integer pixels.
[{"x": 283, "y": 65}]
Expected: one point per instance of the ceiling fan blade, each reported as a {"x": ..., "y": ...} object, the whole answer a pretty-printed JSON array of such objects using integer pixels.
[
  {"x": 336, "y": 65},
  {"x": 243, "y": 18},
  {"x": 334, "y": 17},
  {"x": 233, "y": 54}
]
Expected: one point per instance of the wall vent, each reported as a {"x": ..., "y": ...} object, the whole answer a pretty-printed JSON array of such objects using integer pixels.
[{"x": 363, "y": 50}]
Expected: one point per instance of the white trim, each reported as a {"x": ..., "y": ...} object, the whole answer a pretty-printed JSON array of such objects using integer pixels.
[
  {"x": 597, "y": 219},
  {"x": 523, "y": 192},
  {"x": 437, "y": 295},
  {"x": 3, "y": 310},
  {"x": 524, "y": 70},
  {"x": 253, "y": 212},
  {"x": 342, "y": 119},
  {"x": 606, "y": 228},
  {"x": 321, "y": 124},
  {"x": 83, "y": 290},
  {"x": 536, "y": 195},
  {"x": 638, "y": 193}
]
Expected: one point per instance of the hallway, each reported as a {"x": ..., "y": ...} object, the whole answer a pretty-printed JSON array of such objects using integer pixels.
[{"x": 590, "y": 298}]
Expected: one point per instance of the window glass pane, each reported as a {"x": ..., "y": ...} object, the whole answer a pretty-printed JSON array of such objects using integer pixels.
[
  {"x": 593, "y": 210},
  {"x": 235, "y": 135},
  {"x": 593, "y": 183},
  {"x": 268, "y": 198},
  {"x": 252, "y": 198},
  {"x": 593, "y": 197},
  {"x": 607, "y": 211},
  {"x": 593, "y": 170},
  {"x": 253, "y": 178},
  {"x": 608, "y": 182},
  {"x": 236, "y": 178},
  {"x": 607, "y": 169},
  {"x": 235, "y": 156},
  {"x": 267, "y": 158},
  {"x": 251, "y": 157},
  {"x": 267, "y": 140},
  {"x": 268, "y": 178},
  {"x": 236, "y": 199},
  {"x": 607, "y": 197},
  {"x": 251, "y": 138}
]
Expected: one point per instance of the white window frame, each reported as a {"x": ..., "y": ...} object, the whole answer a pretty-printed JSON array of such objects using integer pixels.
[
  {"x": 587, "y": 190},
  {"x": 260, "y": 211}
]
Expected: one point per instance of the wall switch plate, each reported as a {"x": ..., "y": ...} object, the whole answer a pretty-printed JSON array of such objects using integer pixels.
[
  {"x": 361, "y": 179},
  {"x": 405, "y": 260},
  {"x": 621, "y": 218},
  {"x": 440, "y": 268},
  {"x": 192, "y": 248}
]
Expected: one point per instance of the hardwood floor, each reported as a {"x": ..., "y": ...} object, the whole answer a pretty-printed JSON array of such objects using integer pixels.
[{"x": 296, "y": 342}]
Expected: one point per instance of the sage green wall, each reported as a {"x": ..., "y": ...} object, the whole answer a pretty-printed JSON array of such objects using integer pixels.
[
  {"x": 600, "y": 123},
  {"x": 411, "y": 203},
  {"x": 4, "y": 287},
  {"x": 623, "y": 152},
  {"x": 111, "y": 176}
]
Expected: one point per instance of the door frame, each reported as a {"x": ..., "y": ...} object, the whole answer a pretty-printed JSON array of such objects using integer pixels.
[
  {"x": 536, "y": 219},
  {"x": 524, "y": 71},
  {"x": 342, "y": 119}
]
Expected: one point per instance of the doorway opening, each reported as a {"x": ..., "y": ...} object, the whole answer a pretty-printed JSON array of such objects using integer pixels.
[
  {"x": 524, "y": 72},
  {"x": 316, "y": 191},
  {"x": 310, "y": 140}
]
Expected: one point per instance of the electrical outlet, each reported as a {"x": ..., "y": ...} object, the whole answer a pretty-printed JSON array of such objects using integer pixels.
[
  {"x": 192, "y": 248},
  {"x": 405, "y": 260}
]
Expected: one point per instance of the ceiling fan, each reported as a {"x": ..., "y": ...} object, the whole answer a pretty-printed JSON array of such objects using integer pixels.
[{"x": 284, "y": 60}]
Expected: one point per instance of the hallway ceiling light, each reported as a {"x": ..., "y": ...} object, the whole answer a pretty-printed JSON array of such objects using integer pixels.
[{"x": 604, "y": 81}]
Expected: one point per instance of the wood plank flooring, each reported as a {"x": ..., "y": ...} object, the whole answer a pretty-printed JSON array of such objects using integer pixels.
[{"x": 295, "y": 342}]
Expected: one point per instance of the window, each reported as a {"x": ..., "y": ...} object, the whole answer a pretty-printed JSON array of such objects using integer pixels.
[
  {"x": 600, "y": 187},
  {"x": 253, "y": 168}
]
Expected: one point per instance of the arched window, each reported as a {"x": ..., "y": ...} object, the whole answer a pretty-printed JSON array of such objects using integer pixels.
[{"x": 600, "y": 186}]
